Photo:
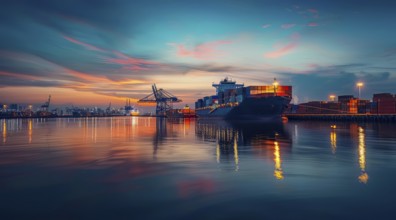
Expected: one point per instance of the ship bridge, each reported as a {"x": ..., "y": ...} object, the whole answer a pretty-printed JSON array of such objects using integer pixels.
[{"x": 226, "y": 84}]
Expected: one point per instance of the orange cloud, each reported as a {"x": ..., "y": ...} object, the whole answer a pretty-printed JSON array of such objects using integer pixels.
[
  {"x": 286, "y": 49},
  {"x": 85, "y": 76},
  {"x": 202, "y": 51}
]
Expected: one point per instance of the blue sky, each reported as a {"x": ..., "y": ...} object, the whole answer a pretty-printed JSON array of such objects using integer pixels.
[{"x": 94, "y": 52}]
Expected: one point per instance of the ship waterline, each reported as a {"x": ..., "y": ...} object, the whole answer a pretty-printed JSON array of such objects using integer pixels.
[{"x": 250, "y": 108}]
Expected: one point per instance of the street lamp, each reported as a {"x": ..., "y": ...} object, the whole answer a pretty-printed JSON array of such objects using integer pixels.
[
  {"x": 359, "y": 85},
  {"x": 275, "y": 84},
  {"x": 332, "y": 98}
]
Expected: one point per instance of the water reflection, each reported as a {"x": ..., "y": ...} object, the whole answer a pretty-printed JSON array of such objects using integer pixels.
[
  {"x": 236, "y": 157},
  {"x": 363, "y": 178},
  {"x": 278, "y": 173},
  {"x": 4, "y": 127},
  {"x": 160, "y": 134},
  {"x": 264, "y": 139},
  {"x": 333, "y": 140},
  {"x": 30, "y": 130},
  {"x": 99, "y": 165}
]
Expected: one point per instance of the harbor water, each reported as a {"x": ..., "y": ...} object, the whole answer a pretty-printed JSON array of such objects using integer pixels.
[{"x": 153, "y": 168}]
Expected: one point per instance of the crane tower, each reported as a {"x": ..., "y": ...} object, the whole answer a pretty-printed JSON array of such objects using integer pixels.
[{"x": 162, "y": 98}]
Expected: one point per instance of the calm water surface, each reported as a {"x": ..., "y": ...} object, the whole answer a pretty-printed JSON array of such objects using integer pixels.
[{"x": 148, "y": 168}]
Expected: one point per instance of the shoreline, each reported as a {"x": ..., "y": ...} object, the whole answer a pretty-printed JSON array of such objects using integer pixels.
[
  {"x": 343, "y": 117},
  {"x": 93, "y": 116}
]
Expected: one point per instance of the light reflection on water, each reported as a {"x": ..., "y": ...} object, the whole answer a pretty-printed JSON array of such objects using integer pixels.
[{"x": 186, "y": 168}]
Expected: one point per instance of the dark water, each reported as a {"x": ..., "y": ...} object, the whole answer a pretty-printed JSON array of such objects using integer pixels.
[{"x": 147, "y": 168}]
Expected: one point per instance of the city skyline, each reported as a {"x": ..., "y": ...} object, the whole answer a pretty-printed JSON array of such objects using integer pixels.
[{"x": 96, "y": 52}]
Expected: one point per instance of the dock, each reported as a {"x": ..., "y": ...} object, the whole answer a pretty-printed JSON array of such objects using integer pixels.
[{"x": 344, "y": 117}]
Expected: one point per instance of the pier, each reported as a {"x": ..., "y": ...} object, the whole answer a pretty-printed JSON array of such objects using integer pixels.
[{"x": 344, "y": 117}]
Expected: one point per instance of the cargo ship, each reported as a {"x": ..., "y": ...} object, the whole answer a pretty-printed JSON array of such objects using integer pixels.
[
  {"x": 130, "y": 110},
  {"x": 235, "y": 101},
  {"x": 185, "y": 112}
]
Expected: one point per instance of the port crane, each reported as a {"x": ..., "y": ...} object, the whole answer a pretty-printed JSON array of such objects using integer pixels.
[
  {"x": 45, "y": 106},
  {"x": 162, "y": 98}
]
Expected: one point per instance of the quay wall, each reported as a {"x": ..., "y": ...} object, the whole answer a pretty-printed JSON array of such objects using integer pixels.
[{"x": 344, "y": 117}]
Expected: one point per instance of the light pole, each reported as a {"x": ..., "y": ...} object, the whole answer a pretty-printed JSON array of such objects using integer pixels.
[
  {"x": 359, "y": 85},
  {"x": 275, "y": 84}
]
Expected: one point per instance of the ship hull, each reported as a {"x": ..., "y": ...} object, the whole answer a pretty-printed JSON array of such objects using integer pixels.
[{"x": 251, "y": 108}]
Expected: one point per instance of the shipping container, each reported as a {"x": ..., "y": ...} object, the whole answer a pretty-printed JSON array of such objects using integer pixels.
[
  {"x": 385, "y": 103},
  {"x": 345, "y": 98},
  {"x": 269, "y": 91},
  {"x": 206, "y": 101}
]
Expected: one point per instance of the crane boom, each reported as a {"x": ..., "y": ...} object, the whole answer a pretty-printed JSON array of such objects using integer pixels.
[{"x": 162, "y": 98}]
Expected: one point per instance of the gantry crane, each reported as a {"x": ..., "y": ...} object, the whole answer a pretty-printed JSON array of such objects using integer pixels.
[
  {"x": 45, "y": 106},
  {"x": 164, "y": 100}
]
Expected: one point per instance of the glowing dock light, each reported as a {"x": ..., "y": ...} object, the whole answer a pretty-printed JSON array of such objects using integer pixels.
[
  {"x": 275, "y": 84},
  {"x": 359, "y": 85},
  {"x": 332, "y": 98}
]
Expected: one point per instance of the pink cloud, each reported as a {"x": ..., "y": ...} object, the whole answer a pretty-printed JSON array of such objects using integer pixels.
[
  {"x": 313, "y": 11},
  {"x": 266, "y": 26},
  {"x": 287, "y": 26},
  {"x": 312, "y": 65},
  {"x": 130, "y": 63},
  {"x": 203, "y": 51},
  {"x": 313, "y": 24},
  {"x": 86, "y": 45},
  {"x": 286, "y": 49}
]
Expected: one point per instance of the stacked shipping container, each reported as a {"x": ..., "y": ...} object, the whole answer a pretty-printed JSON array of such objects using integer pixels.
[{"x": 384, "y": 103}]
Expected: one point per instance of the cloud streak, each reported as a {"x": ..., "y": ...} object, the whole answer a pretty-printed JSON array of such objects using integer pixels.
[
  {"x": 204, "y": 51},
  {"x": 131, "y": 63},
  {"x": 116, "y": 57},
  {"x": 86, "y": 45},
  {"x": 313, "y": 10},
  {"x": 287, "y": 26},
  {"x": 312, "y": 24},
  {"x": 284, "y": 50}
]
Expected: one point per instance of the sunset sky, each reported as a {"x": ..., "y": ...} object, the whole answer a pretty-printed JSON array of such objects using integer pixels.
[{"x": 95, "y": 52}]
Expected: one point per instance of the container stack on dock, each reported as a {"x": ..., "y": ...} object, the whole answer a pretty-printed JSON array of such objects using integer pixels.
[
  {"x": 348, "y": 108},
  {"x": 384, "y": 103}
]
